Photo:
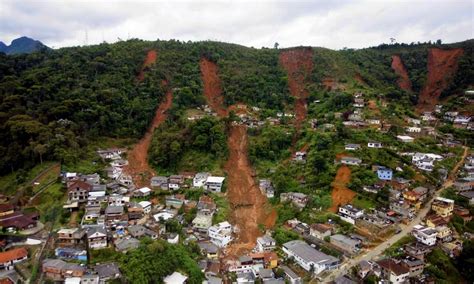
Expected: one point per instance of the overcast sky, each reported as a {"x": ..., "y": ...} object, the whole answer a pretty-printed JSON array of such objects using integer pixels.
[{"x": 333, "y": 24}]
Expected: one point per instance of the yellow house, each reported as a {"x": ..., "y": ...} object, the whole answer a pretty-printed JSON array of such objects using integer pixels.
[
  {"x": 443, "y": 207},
  {"x": 434, "y": 221}
]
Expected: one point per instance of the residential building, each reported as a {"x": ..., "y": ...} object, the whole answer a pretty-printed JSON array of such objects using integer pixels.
[
  {"x": 444, "y": 233},
  {"x": 266, "y": 188},
  {"x": 393, "y": 271},
  {"x": 300, "y": 156},
  {"x": 199, "y": 179},
  {"x": 309, "y": 258},
  {"x": 11, "y": 257},
  {"x": 350, "y": 213},
  {"x": 159, "y": 182},
  {"x": 425, "y": 235},
  {"x": 58, "y": 270},
  {"x": 71, "y": 236},
  {"x": 405, "y": 138},
  {"x": 345, "y": 243},
  {"x": 298, "y": 199},
  {"x": 352, "y": 161},
  {"x": 97, "y": 238},
  {"x": 175, "y": 278},
  {"x": 126, "y": 244},
  {"x": 108, "y": 271},
  {"x": 384, "y": 173},
  {"x": 202, "y": 221},
  {"x": 78, "y": 191},
  {"x": 214, "y": 183},
  {"x": 443, "y": 207},
  {"x": 265, "y": 243},
  {"x": 352, "y": 147},
  {"x": 320, "y": 231},
  {"x": 291, "y": 276},
  {"x": 146, "y": 205},
  {"x": 374, "y": 144},
  {"x": 143, "y": 192},
  {"x": 415, "y": 266},
  {"x": 413, "y": 129},
  {"x": 220, "y": 234}
]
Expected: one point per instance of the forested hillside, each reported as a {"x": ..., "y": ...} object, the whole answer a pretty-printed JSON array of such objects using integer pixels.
[{"x": 55, "y": 102}]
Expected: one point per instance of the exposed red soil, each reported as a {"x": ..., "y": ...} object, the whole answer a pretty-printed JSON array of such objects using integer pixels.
[
  {"x": 212, "y": 86},
  {"x": 298, "y": 64},
  {"x": 442, "y": 65},
  {"x": 340, "y": 194},
  {"x": 329, "y": 84},
  {"x": 403, "y": 81},
  {"x": 150, "y": 59},
  {"x": 138, "y": 166},
  {"x": 249, "y": 206},
  {"x": 373, "y": 107},
  {"x": 359, "y": 79}
]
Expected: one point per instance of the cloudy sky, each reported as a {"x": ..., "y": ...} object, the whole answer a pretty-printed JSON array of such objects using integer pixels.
[{"x": 328, "y": 23}]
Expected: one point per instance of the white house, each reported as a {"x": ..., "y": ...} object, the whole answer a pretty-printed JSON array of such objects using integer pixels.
[
  {"x": 351, "y": 161},
  {"x": 393, "y": 272},
  {"x": 97, "y": 238},
  {"x": 352, "y": 147},
  {"x": 265, "y": 243},
  {"x": 175, "y": 278},
  {"x": 309, "y": 258},
  {"x": 200, "y": 179},
  {"x": 214, "y": 183},
  {"x": 349, "y": 213},
  {"x": 220, "y": 234},
  {"x": 146, "y": 205},
  {"x": 425, "y": 235},
  {"x": 405, "y": 138},
  {"x": 413, "y": 129},
  {"x": 144, "y": 191},
  {"x": 374, "y": 144}
]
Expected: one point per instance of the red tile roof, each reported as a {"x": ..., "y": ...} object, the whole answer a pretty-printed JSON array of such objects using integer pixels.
[{"x": 13, "y": 254}]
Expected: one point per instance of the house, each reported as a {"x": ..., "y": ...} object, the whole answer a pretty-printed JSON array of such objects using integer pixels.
[
  {"x": 214, "y": 183},
  {"x": 78, "y": 191},
  {"x": 265, "y": 243},
  {"x": 300, "y": 156},
  {"x": 352, "y": 147},
  {"x": 114, "y": 213},
  {"x": 417, "y": 250},
  {"x": 434, "y": 221},
  {"x": 202, "y": 221},
  {"x": 126, "y": 244},
  {"x": 159, "y": 182},
  {"x": 309, "y": 258},
  {"x": 393, "y": 271},
  {"x": 143, "y": 192},
  {"x": 462, "y": 186},
  {"x": 72, "y": 236},
  {"x": 345, "y": 243},
  {"x": 266, "y": 188},
  {"x": 413, "y": 129},
  {"x": 164, "y": 215},
  {"x": 415, "y": 266},
  {"x": 97, "y": 238},
  {"x": 443, "y": 207},
  {"x": 298, "y": 199},
  {"x": 175, "y": 182},
  {"x": 291, "y": 276},
  {"x": 58, "y": 270},
  {"x": 110, "y": 154},
  {"x": 320, "y": 231},
  {"x": 351, "y": 161},
  {"x": 364, "y": 268},
  {"x": 200, "y": 179},
  {"x": 425, "y": 235},
  {"x": 384, "y": 173},
  {"x": 108, "y": 271},
  {"x": 174, "y": 201},
  {"x": 136, "y": 231},
  {"x": 220, "y": 234},
  {"x": 11, "y": 257},
  {"x": 172, "y": 238},
  {"x": 16, "y": 221},
  {"x": 463, "y": 213},
  {"x": 175, "y": 278},
  {"x": 405, "y": 138},
  {"x": 210, "y": 250},
  {"x": 374, "y": 144},
  {"x": 444, "y": 233},
  {"x": 350, "y": 213},
  {"x": 146, "y": 205},
  {"x": 71, "y": 253}
]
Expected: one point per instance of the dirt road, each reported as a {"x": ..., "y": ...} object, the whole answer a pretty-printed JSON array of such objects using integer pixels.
[{"x": 406, "y": 230}]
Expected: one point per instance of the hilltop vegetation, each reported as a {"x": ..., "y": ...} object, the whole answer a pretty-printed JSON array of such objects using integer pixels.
[{"x": 54, "y": 102}]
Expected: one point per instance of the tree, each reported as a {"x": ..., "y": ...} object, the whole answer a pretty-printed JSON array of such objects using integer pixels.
[
  {"x": 40, "y": 149},
  {"x": 276, "y": 45}
]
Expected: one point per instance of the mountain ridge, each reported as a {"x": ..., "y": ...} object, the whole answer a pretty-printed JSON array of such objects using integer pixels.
[{"x": 22, "y": 45}]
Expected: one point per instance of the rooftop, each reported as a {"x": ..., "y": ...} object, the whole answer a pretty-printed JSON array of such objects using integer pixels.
[{"x": 307, "y": 253}]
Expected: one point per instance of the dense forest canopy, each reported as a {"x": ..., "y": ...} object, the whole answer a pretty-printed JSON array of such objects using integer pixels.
[{"x": 54, "y": 102}]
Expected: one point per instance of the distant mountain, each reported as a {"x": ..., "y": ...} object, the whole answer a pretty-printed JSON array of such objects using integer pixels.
[{"x": 22, "y": 45}]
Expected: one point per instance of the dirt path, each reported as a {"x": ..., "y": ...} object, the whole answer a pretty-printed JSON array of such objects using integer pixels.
[
  {"x": 403, "y": 81},
  {"x": 212, "y": 87},
  {"x": 340, "y": 194},
  {"x": 150, "y": 59},
  {"x": 442, "y": 65},
  {"x": 249, "y": 207},
  {"x": 138, "y": 166},
  {"x": 298, "y": 64}
]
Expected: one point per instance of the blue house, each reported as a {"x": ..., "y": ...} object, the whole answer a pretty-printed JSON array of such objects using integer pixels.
[{"x": 384, "y": 173}]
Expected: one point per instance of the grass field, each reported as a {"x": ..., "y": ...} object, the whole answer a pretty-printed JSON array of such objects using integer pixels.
[{"x": 9, "y": 183}]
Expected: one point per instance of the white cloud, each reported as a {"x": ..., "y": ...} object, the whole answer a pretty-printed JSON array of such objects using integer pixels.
[{"x": 333, "y": 24}]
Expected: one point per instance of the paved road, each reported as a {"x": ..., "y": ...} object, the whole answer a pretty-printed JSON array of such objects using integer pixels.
[{"x": 406, "y": 229}]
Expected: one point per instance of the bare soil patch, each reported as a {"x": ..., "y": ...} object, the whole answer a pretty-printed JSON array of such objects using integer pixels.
[
  {"x": 212, "y": 86},
  {"x": 340, "y": 194},
  {"x": 399, "y": 68},
  {"x": 442, "y": 65}
]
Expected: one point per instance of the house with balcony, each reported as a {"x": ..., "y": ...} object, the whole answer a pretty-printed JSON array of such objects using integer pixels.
[
  {"x": 214, "y": 183},
  {"x": 443, "y": 207},
  {"x": 425, "y": 235},
  {"x": 220, "y": 234},
  {"x": 350, "y": 213},
  {"x": 309, "y": 258},
  {"x": 97, "y": 238},
  {"x": 393, "y": 271}
]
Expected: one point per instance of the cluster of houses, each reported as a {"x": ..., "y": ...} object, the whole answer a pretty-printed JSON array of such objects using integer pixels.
[{"x": 464, "y": 185}]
